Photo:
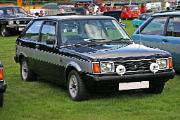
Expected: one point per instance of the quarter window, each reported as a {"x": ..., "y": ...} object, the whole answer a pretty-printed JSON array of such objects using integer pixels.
[
  {"x": 33, "y": 31},
  {"x": 155, "y": 27},
  {"x": 173, "y": 28},
  {"x": 48, "y": 32}
]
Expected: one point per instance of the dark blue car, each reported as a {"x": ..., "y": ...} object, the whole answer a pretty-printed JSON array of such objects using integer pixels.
[
  {"x": 162, "y": 31},
  {"x": 87, "y": 53}
]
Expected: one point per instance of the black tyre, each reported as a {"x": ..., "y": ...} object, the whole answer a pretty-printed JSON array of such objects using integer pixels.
[
  {"x": 1, "y": 99},
  {"x": 155, "y": 88},
  {"x": 26, "y": 73},
  {"x": 76, "y": 88},
  {"x": 4, "y": 31}
]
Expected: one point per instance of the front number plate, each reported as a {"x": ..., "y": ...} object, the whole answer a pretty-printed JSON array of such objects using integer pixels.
[{"x": 133, "y": 85}]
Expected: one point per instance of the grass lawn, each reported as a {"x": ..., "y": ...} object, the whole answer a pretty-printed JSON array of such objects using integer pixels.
[{"x": 44, "y": 101}]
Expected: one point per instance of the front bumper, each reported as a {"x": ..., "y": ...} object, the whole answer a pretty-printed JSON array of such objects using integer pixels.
[
  {"x": 3, "y": 87},
  {"x": 113, "y": 80},
  {"x": 18, "y": 27}
]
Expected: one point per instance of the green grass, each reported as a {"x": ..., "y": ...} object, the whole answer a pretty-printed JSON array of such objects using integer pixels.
[
  {"x": 129, "y": 27},
  {"x": 44, "y": 101}
]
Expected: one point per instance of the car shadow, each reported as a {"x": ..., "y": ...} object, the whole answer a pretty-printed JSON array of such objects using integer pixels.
[
  {"x": 120, "y": 94},
  {"x": 101, "y": 94}
]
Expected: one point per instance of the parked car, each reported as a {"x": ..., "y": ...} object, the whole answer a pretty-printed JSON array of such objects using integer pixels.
[
  {"x": 130, "y": 11},
  {"x": 3, "y": 85},
  {"x": 140, "y": 20},
  {"x": 13, "y": 20},
  {"x": 79, "y": 10},
  {"x": 162, "y": 31},
  {"x": 115, "y": 14},
  {"x": 88, "y": 53}
]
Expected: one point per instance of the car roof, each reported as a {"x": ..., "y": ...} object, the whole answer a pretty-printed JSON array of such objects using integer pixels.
[
  {"x": 73, "y": 17},
  {"x": 9, "y": 7},
  {"x": 175, "y": 13}
]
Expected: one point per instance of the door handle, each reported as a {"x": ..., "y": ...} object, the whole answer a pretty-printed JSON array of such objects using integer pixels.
[
  {"x": 37, "y": 46},
  {"x": 164, "y": 40}
]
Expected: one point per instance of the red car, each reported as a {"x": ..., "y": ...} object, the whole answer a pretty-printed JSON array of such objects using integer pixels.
[{"x": 130, "y": 11}]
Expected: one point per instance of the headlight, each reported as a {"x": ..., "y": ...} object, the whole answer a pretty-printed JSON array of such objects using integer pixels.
[
  {"x": 154, "y": 67},
  {"x": 163, "y": 63},
  {"x": 17, "y": 22},
  {"x": 10, "y": 22},
  {"x": 120, "y": 69},
  {"x": 107, "y": 67}
]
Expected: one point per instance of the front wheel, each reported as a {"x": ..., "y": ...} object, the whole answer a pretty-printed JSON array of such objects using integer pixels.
[
  {"x": 26, "y": 73},
  {"x": 1, "y": 100},
  {"x": 76, "y": 87},
  {"x": 155, "y": 88}
]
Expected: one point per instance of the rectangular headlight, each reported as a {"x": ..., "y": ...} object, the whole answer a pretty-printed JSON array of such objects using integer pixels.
[
  {"x": 163, "y": 63},
  {"x": 17, "y": 21},
  {"x": 107, "y": 67},
  {"x": 10, "y": 22}
]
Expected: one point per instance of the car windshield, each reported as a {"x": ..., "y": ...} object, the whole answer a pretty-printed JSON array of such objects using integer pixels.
[
  {"x": 134, "y": 7},
  {"x": 86, "y": 31},
  {"x": 20, "y": 11},
  {"x": 12, "y": 11}
]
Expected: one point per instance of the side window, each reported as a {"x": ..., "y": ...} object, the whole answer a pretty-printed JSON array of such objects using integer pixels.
[
  {"x": 173, "y": 28},
  {"x": 155, "y": 27},
  {"x": 48, "y": 32},
  {"x": 33, "y": 31}
]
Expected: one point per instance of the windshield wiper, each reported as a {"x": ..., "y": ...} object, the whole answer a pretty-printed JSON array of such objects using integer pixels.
[
  {"x": 89, "y": 42},
  {"x": 123, "y": 40},
  {"x": 99, "y": 40}
]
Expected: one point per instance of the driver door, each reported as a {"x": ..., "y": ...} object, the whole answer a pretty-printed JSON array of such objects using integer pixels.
[{"x": 47, "y": 59}]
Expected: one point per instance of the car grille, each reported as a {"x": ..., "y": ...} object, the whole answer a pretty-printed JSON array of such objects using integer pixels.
[
  {"x": 24, "y": 22},
  {"x": 136, "y": 66}
]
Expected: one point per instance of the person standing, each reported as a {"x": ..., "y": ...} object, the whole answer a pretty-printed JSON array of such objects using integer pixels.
[{"x": 143, "y": 8}]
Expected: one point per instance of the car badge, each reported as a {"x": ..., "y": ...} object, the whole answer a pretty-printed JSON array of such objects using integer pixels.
[{"x": 135, "y": 66}]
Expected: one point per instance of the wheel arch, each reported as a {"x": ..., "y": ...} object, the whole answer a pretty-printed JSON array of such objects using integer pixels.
[
  {"x": 21, "y": 55},
  {"x": 72, "y": 66}
]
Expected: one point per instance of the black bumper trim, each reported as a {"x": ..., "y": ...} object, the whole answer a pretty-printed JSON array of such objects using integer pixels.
[{"x": 135, "y": 77}]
